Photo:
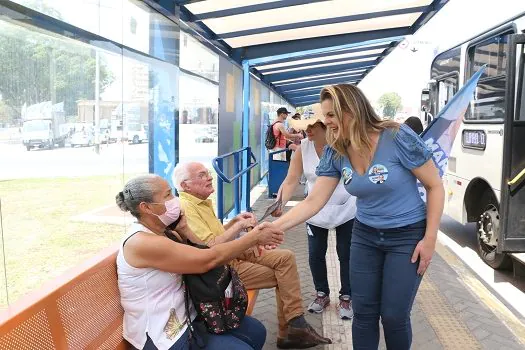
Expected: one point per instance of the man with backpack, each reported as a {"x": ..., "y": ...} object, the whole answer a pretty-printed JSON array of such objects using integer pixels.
[
  {"x": 297, "y": 143},
  {"x": 276, "y": 135}
]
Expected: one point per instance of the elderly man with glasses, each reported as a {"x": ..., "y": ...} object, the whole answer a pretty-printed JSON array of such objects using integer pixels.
[{"x": 257, "y": 269}]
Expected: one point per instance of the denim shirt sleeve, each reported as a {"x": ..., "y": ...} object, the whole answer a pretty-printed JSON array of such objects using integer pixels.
[
  {"x": 410, "y": 148},
  {"x": 329, "y": 164}
]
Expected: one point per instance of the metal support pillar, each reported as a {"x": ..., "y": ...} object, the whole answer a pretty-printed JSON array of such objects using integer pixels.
[{"x": 245, "y": 184}]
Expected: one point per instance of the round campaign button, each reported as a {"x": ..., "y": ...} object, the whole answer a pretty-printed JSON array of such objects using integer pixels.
[
  {"x": 347, "y": 175},
  {"x": 378, "y": 174}
]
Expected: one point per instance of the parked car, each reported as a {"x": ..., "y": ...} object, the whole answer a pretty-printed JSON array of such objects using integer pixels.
[
  {"x": 83, "y": 138},
  {"x": 205, "y": 139},
  {"x": 214, "y": 131},
  {"x": 137, "y": 133},
  {"x": 104, "y": 135}
]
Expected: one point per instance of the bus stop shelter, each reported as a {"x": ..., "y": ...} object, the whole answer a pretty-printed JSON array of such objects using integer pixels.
[{"x": 298, "y": 46}]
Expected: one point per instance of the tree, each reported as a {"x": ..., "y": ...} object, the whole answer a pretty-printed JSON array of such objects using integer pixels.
[
  {"x": 7, "y": 114},
  {"x": 390, "y": 103},
  {"x": 300, "y": 110},
  {"x": 37, "y": 68}
]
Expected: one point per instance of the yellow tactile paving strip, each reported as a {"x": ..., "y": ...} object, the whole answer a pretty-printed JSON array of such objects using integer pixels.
[
  {"x": 340, "y": 331},
  {"x": 450, "y": 329}
]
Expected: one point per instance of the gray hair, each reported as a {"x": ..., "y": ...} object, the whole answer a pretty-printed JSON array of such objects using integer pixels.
[
  {"x": 137, "y": 190},
  {"x": 181, "y": 173}
]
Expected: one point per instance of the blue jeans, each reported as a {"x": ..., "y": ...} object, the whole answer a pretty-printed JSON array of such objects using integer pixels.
[
  {"x": 251, "y": 335},
  {"x": 384, "y": 284},
  {"x": 317, "y": 246}
]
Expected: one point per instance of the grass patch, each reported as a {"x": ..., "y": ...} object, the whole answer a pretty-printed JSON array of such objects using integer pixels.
[{"x": 41, "y": 241}]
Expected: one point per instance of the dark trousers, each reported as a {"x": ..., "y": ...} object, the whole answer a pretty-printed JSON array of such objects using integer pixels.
[
  {"x": 317, "y": 246},
  {"x": 251, "y": 335},
  {"x": 384, "y": 284}
]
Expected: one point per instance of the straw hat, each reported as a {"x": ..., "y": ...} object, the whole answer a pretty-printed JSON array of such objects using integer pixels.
[{"x": 302, "y": 124}]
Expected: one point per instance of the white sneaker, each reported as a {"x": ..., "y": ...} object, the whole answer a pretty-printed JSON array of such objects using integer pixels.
[
  {"x": 345, "y": 307},
  {"x": 320, "y": 303}
]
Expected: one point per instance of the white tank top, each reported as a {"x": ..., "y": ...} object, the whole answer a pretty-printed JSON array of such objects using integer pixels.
[
  {"x": 153, "y": 301},
  {"x": 341, "y": 206}
]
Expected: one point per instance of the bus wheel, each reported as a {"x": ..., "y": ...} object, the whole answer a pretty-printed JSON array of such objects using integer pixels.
[{"x": 488, "y": 234}]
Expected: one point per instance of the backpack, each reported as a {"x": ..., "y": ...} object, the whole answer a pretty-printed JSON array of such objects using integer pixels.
[
  {"x": 208, "y": 292},
  {"x": 270, "y": 141}
]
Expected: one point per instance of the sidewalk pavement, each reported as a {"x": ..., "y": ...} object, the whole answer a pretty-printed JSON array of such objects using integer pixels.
[{"x": 453, "y": 310}]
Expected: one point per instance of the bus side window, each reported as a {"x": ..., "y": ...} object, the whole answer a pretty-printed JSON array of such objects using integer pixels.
[
  {"x": 445, "y": 71},
  {"x": 489, "y": 102}
]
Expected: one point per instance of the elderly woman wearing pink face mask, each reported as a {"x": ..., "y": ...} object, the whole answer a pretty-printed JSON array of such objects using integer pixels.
[{"x": 150, "y": 268}]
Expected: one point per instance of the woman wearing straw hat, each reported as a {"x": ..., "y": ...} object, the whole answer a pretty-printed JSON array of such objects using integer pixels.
[{"x": 338, "y": 213}]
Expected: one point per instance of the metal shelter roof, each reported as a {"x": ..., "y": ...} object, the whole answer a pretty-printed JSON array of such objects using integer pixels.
[{"x": 299, "y": 46}]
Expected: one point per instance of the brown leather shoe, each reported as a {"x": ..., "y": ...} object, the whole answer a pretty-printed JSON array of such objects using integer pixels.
[{"x": 301, "y": 338}]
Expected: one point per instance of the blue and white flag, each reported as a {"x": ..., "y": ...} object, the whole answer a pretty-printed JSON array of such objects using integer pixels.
[{"x": 441, "y": 133}]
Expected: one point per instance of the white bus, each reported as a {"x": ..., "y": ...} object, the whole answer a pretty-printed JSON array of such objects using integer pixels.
[{"x": 485, "y": 179}]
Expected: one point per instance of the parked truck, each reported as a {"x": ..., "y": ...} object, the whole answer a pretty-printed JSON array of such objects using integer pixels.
[
  {"x": 44, "y": 125},
  {"x": 127, "y": 125}
]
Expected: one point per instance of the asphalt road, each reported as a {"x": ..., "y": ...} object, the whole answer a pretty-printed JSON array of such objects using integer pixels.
[{"x": 117, "y": 158}]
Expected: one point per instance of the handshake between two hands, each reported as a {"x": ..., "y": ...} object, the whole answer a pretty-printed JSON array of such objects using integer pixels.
[{"x": 269, "y": 235}]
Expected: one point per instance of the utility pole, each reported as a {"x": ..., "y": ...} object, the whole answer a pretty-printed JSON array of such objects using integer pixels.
[{"x": 97, "y": 102}]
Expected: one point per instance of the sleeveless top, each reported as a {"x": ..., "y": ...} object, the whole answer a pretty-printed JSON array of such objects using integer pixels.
[
  {"x": 341, "y": 206},
  {"x": 279, "y": 137},
  {"x": 153, "y": 301}
]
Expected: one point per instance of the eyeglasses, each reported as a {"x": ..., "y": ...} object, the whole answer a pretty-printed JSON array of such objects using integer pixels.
[{"x": 203, "y": 175}]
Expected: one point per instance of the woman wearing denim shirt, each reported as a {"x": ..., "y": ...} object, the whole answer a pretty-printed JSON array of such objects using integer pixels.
[{"x": 395, "y": 232}]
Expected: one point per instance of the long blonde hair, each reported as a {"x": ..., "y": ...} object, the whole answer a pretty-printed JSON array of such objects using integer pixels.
[{"x": 350, "y": 102}]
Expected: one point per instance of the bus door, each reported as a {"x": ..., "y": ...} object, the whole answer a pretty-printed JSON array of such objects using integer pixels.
[{"x": 513, "y": 179}]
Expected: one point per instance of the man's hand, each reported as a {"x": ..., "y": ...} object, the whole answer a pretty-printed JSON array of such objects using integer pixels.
[
  {"x": 238, "y": 223},
  {"x": 246, "y": 215},
  {"x": 245, "y": 224}
]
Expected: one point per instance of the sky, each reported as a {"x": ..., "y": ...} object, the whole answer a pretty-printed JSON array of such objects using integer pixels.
[{"x": 406, "y": 72}]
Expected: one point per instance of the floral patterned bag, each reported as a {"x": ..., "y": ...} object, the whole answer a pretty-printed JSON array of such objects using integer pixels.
[{"x": 219, "y": 296}]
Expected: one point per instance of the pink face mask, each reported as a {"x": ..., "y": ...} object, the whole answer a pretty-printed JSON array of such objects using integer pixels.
[{"x": 172, "y": 212}]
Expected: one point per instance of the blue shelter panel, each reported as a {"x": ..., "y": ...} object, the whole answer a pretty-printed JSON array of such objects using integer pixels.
[
  {"x": 265, "y": 119},
  {"x": 163, "y": 118},
  {"x": 230, "y": 121},
  {"x": 255, "y": 126}
]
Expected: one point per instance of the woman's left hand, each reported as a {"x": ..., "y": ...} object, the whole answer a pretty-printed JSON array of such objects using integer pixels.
[
  {"x": 424, "y": 251},
  {"x": 182, "y": 225}
]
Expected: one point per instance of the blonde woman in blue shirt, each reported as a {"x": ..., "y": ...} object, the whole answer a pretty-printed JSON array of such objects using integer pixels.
[{"x": 395, "y": 232}]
